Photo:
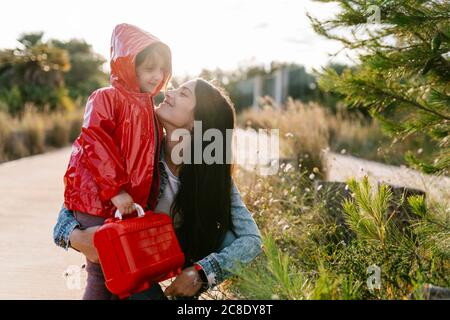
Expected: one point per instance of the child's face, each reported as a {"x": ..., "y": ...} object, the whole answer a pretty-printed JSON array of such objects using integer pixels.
[{"x": 150, "y": 73}]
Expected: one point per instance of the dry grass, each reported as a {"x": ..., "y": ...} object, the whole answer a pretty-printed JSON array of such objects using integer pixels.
[
  {"x": 36, "y": 132},
  {"x": 303, "y": 129},
  {"x": 308, "y": 129}
]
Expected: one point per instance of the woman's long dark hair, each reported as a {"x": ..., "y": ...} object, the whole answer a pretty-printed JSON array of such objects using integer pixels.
[{"x": 204, "y": 196}]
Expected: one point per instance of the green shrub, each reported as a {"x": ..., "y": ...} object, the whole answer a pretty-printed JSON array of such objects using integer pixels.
[
  {"x": 272, "y": 276},
  {"x": 305, "y": 247}
]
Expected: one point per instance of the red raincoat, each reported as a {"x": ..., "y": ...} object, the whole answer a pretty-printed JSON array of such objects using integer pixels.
[{"x": 118, "y": 146}]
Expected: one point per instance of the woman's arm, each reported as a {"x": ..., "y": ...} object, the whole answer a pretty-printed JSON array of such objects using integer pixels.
[
  {"x": 82, "y": 240},
  {"x": 244, "y": 248}
]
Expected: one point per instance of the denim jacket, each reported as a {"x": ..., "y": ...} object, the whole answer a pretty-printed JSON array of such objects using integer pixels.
[{"x": 242, "y": 243}]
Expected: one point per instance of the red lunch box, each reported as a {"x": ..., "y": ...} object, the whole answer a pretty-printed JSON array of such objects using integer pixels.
[{"x": 138, "y": 251}]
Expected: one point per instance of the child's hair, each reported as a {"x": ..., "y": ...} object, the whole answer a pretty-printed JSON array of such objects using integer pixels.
[{"x": 163, "y": 51}]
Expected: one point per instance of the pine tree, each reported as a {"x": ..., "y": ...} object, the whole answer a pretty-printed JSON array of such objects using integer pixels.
[{"x": 402, "y": 73}]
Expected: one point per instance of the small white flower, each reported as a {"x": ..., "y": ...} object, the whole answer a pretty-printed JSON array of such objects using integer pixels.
[
  {"x": 289, "y": 135},
  {"x": 312, "y": 176},
  {"x": 288, "y": 167},
  {"x": 319, "y": 187},
  {"x": 212, "y": 278},
  {"x": 307, "y": 189}
]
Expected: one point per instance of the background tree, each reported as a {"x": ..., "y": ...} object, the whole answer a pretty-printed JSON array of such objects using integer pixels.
[
  {"x": 49, "y": 74},
  {"x": 33, "y": 72},
  {"x": 402, "y": 74},
  {"x": 86, "y": 73},
  {"x": 302, "y": 84}
]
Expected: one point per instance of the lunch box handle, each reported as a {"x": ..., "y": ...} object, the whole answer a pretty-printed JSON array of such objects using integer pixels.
[{"x": 138, "y": 208}]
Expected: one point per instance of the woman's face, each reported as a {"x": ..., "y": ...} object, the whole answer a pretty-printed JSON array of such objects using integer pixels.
[{"x": 177, "y": 109}]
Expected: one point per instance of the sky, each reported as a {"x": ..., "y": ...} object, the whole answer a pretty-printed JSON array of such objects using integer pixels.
[{"x": 208, "y": 34}]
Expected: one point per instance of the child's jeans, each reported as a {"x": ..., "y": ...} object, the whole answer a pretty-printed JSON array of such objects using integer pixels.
[{"x": 95, "y": 287}]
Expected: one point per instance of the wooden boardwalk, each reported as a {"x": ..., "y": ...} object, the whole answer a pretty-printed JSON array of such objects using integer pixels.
[
  {"x": 33, "y": 267},
  {"x": 341, "y": 167}
]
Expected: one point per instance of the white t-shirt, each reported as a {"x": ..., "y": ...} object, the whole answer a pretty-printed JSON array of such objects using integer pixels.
[{"x": 169, "y": 193}]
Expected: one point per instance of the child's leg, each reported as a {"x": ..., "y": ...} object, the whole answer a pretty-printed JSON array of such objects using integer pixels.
[{"x": 95, "y": 286}]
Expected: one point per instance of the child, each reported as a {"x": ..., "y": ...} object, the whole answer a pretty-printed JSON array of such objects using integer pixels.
[{"x": 114, "y": 160}]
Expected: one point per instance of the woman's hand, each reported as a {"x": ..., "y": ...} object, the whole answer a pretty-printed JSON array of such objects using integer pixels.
[
  {"x": 82, "y": 240},
  {"x": 186, "y": 284},
  {"x": 124, "y": 202}
]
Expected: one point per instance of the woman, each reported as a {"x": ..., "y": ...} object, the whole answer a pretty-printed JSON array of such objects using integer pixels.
[{"x": 213, "y": 226}]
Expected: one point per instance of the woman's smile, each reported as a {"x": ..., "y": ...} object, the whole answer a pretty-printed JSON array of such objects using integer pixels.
[{"x": 166, "y": 102}]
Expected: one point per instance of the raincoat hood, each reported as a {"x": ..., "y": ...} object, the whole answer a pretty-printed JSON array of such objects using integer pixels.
[{"x": 126, "y": 43}]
